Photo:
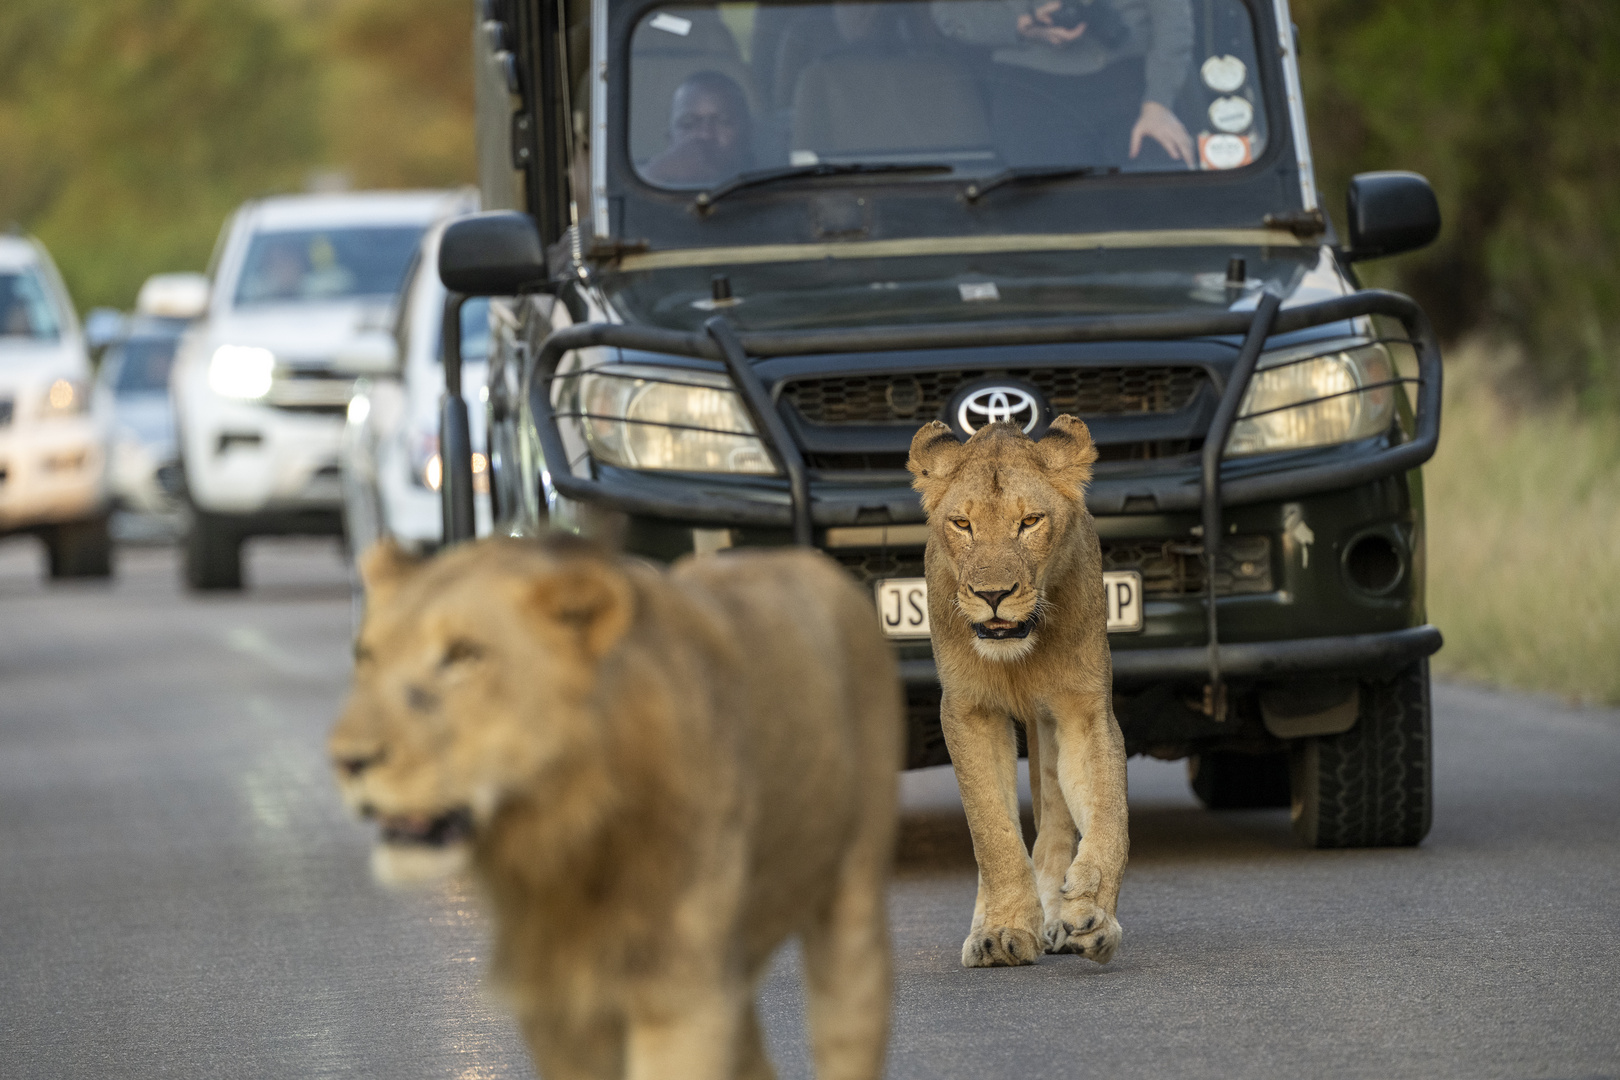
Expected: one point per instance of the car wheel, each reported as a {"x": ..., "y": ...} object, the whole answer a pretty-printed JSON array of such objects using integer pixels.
[
  {"x": 1371, "y": 786},
  {"x": 1224, "y": 780},
  {"x": 213, "y": 553},
  {"x": 80, "y": 549}
]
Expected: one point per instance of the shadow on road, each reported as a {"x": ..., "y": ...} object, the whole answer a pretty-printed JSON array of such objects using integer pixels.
[{"x": 1167, "y": 825}]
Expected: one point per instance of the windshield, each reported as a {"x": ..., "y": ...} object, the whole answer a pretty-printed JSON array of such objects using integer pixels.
[
  {"x": 143, "y": 364},
  {"x": 25, "y": 306},
  {"x": 305, "y": 265},
  {"x": 982, "y": 86}
]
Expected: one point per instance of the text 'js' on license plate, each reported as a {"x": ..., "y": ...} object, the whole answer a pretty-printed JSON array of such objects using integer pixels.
[{"x": 903, "y": 604}]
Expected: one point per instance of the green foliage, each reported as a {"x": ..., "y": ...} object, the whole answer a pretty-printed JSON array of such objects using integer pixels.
[
  {"x": 132, "y": 128},
  {"x": 1513, "y": 112}
]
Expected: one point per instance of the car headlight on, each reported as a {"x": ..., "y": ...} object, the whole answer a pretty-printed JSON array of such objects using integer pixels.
[
  {"x": 241, "y": 371},
  {"x": 1315, "y": 396},
  {"x": 66, "y": 397},
  {"x": 427, "y": 467},
  {"x": 645, "y": 417}
]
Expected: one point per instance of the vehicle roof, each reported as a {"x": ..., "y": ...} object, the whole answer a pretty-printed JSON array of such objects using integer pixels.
[
  {"x": 17, "y": 252},
  {"x": 354, "y": 208}
]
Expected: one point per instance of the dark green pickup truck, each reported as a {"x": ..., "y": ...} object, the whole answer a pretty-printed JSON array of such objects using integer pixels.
[{"x": 742, "y": 252}]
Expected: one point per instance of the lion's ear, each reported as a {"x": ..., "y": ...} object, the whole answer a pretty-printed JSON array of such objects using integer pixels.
[
  {"x": 935, "y": 454},
  {"x": 384, "y": 567},
  {"x": 1067, "y": 452},
  {"x": 587, "y": 597}
]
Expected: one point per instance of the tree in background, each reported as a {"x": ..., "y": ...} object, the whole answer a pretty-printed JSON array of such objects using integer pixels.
[
  {"x": 1512, "y": 110},
  {"x": 132, "y": 127}
]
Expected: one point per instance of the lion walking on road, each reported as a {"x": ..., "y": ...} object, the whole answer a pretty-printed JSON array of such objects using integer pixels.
[
  {"x": 657, "y": 776},
  {"x": 1020, "y": 630}
]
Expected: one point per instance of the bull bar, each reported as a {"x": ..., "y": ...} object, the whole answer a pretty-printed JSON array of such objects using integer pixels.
[{"x": 803, "y": 511}]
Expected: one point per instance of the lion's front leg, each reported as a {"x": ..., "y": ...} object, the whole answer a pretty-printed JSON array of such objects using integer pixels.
[
  {"x": 1091, "y": 775},
  {"x": 1007, "y": 915},
  {"x": 1055, "y": 831}
]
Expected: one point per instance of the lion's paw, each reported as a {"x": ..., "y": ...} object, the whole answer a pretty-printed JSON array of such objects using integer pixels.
[
  {"x": 1086, "y": 930},
  {"x": 1000, "y": 946}
]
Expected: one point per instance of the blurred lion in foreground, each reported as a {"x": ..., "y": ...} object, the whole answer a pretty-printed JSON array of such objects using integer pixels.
[{"x": 657, "y": 776}]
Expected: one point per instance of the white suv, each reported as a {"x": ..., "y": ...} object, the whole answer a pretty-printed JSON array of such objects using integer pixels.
[
  {"x": 301, "y": 306},
  {"x": 52, "y": 444}
]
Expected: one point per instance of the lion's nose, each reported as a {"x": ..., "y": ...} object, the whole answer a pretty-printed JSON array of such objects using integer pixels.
[
  {"x": 994, "y": 597},
  {"x": 354, "y": 765}
]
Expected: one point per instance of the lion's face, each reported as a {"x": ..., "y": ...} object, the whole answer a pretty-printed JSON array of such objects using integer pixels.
[
  {"x": 469, "y": 675},
  {"x": 1000, "y": 508}
]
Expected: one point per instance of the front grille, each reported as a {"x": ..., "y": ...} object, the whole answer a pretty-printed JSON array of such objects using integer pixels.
[
  {"x": 310, "y": 392},
  {"x": 1168, "y": 567},
  {"x": 908, "y": 399},
  {"x": 878, "y": 563},
  {"x": 1176, "y": 567}
]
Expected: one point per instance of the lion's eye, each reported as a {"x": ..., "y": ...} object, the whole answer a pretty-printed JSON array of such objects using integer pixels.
[
  {"x": 460, "y": 651},
  {"x": 962, "y": 523},
  {"x": 1031, "y": 520}
]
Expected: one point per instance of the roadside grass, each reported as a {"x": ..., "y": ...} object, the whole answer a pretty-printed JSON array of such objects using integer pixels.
[{"x": 1524, "y": 539}]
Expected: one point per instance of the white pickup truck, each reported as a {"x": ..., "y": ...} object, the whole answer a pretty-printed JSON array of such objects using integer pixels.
[{"x": 302, "y": 305}]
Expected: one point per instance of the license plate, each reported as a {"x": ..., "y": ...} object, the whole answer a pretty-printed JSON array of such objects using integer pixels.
[
  {"x": 903, "y": 607},
  {"x": 903, "y": 604}
]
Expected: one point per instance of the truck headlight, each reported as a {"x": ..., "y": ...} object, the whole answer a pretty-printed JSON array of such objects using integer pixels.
[
  {"x": 1313, "y": 396},
  {"x": 66, "y": 397},
  {"x": 241, "y": 371},
  {"x": 644, "y": 417}
]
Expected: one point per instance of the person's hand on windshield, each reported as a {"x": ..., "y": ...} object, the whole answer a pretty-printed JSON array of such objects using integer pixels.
[
  {"x": 1040, "y": 25},
  {"x": 1160, "y": 124}
]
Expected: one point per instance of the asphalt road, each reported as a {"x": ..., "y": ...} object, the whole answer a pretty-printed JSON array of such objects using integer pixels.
[{"x": 181, "y": 894}]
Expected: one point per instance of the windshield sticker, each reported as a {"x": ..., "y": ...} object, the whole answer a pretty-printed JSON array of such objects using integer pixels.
[
  {"x": 979, "y": 290},
  {"x": 1224, "y": 74},
  {"x": 1223, "y": 151},
  {"x": 1231, "y": 114},
  {"x": 670, "y": 24}
]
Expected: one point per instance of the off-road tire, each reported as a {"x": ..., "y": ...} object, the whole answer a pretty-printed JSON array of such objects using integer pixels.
[
  {"x": 1224, "y": 780},
  {"x": 80, "y": 549},
  {"x": 1372, "y": 786},
  {"x": 213, "y": 553}
]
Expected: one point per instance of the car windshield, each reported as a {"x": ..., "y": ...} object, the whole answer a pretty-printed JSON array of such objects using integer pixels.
[
  {"x": 308, "y": 265},
  {"x": 143, "y": 364},
  {"x": 984, "y": 86},
  {"x": 25, "y": 306}
]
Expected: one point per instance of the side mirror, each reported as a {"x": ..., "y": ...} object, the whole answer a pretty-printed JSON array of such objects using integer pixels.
[
  {"x": 492, "y": 254},
  {"x": 1390, "y": 212},
  {"x": 173, "y": 296}
]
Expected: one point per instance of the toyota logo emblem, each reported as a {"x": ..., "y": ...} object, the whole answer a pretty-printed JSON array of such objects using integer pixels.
[{"x": 997, "y": 403}]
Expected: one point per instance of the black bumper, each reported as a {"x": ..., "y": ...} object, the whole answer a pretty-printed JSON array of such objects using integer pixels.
[{"x": 1351, "y": 654}]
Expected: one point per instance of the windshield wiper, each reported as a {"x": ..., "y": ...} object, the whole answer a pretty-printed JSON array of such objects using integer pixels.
[
  {"x": 1028, "y": 174},
  {"x": 706, "y": 199}
]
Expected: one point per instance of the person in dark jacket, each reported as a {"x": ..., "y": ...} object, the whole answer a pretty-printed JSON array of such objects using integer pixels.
[{"x": 1082, "y": 81}]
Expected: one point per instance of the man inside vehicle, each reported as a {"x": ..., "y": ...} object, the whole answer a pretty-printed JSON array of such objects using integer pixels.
[
  {"x": 1083, "y": 82},
  {"x": 710, "y": 133}
]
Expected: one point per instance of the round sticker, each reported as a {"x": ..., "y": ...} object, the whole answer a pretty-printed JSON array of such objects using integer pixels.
[
  {"x": 1223, "y": 74},
  {"x": 1225, "y": 151},
  {"x": 1233, "y": 114}
]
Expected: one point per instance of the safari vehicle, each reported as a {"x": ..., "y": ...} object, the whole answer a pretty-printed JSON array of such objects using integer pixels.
[{"x": 743, "y": 252}]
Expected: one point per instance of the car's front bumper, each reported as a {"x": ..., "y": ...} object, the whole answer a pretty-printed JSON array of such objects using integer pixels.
[{"x": 51, "y": 471}]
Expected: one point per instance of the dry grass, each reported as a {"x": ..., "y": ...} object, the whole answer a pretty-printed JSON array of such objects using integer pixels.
[{"x": 1524, "y": 540}]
